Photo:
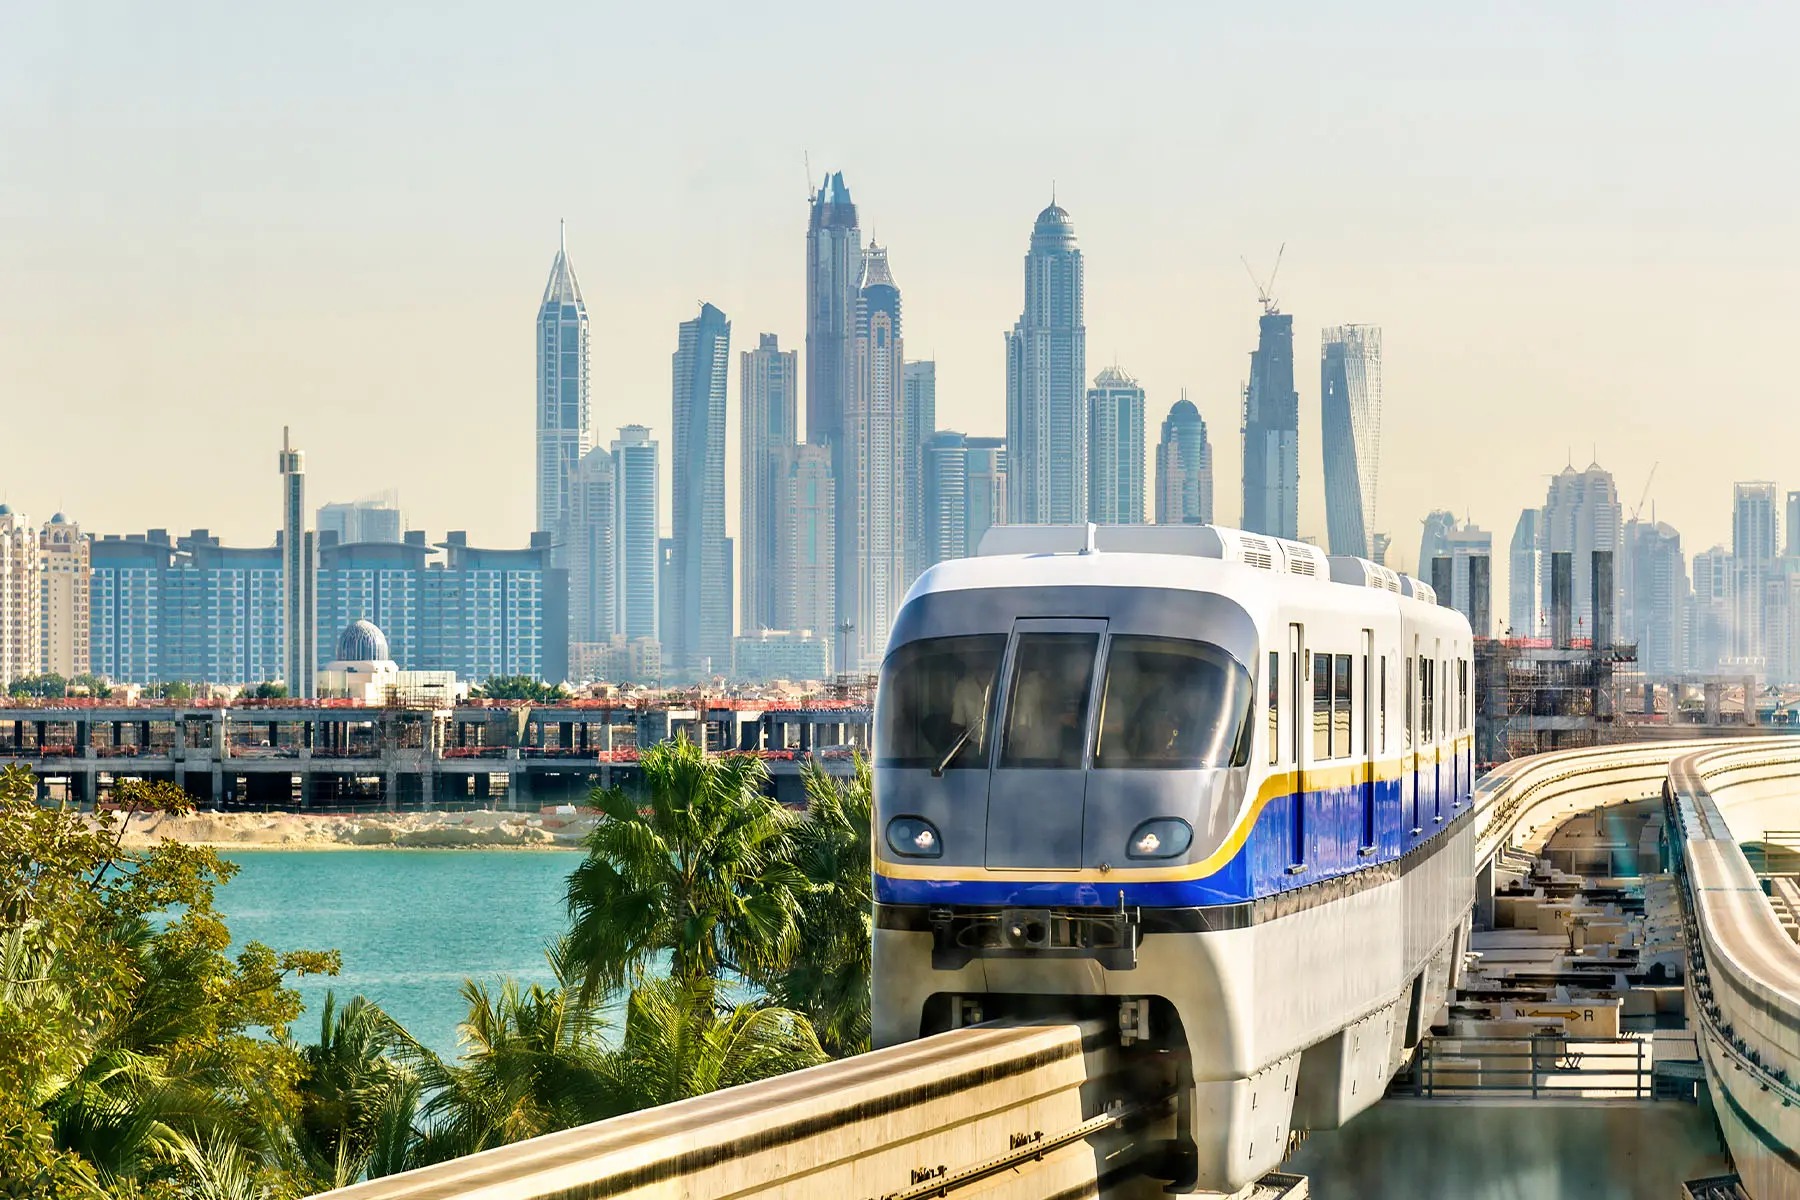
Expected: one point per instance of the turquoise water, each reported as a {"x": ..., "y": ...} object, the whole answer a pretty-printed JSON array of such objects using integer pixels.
[{"x": 411, "y": 924}]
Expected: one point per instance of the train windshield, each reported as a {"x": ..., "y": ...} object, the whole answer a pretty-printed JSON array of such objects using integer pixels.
[
  {"x": 1171, "y": 703},
  {"x": 1046, "y": 712},
  {"x": 936, "y": 696}
]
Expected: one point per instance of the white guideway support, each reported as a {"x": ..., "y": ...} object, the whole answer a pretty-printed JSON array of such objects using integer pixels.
[{"x": 1021, "y": 1110}]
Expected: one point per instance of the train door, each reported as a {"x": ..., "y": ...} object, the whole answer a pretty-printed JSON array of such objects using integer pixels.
[
  {"x": 1366, "y": 765},
  {"x": 1038, "y": 784},
  {"x": 1300, "y": 672}
]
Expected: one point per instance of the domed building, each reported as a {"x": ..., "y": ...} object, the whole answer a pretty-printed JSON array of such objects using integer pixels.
[
  {"x": 361, "y": 670},
  {"x": 361, "y": 642}
]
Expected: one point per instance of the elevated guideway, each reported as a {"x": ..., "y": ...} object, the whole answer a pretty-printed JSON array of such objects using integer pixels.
[
  {"x": 1744, "y": 966},
  {"x": 1521, "y": 804},
  {"x": 993, "y": 1111},
  {"x": 1060, "y": 1109}
]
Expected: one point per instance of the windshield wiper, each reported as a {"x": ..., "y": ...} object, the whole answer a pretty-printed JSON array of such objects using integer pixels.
[{"x": 937, "y": 772}]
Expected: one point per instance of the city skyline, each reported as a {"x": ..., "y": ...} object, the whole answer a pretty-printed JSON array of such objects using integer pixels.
[{"x": 419, "y": 217}]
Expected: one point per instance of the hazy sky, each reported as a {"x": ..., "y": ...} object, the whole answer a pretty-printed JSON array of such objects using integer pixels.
[{"x": 1575, "y": 224}]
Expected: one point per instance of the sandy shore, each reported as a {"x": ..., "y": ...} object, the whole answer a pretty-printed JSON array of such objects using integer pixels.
[{"x": 306, "y": 831}]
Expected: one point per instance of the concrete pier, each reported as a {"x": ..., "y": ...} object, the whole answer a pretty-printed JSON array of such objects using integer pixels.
[{"x": 334, "y": 755}]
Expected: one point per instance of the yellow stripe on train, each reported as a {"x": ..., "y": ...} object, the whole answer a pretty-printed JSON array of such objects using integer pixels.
[{"x": 1274, "y": 787}]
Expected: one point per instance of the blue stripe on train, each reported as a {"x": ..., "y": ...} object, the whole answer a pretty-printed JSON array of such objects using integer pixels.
[{"x": 1334, "y": 830}]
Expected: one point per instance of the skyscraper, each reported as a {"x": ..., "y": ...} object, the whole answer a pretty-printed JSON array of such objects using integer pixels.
[
  {"x": 918, "y": 420},
  {"x": 1272, "y": 430},
  {"x": 1350, "y": 424},
  {"x": 299, "y": 575},
  {"x": 636, "y": 485},
  {"x": 1524, "y": 571},
  {"x": 702, "y": 591},
  {"x": 1184, "y": 468},
  {"x": 834, "y": 262},
  {"x": 1434, "y": 542},
  {"x": 20, "y": 601},
  {"x": 944, "y": 527},
  {"x": 1710, "y": 611},
  {"x": 1115, "y": 449},
  {"x": 1581, "y": 515},
  {"x": 871, "y": 538},
  {"x": 1046, "y": 373},
  {"x": 590, "y": 532},
  {"x": 372, "y": 519},
  {"x": 965, "y": 493},
  {"x": 1792, "y": 547},
  {"x": 563, "y": 435},
  {"x": 1463, "y": 544},
  {"x": 987, "y": 475},
  {"x": 65, "y": 572},
  {"x": 1754, "y": 537},
  {"x": 805, "y": 523},
  {"x": 768, "y": 393},
  {"x": 1654, "y": 581}
]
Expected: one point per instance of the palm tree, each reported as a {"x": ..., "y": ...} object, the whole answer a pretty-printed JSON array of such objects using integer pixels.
[
  {"x": 829, "y": 977},
  {"x": 352, "y": 1094},
  {"x": 701, "y": 872},
  {"x": 532, "y": 1063},
  {"x": 678, "y": 1044}
]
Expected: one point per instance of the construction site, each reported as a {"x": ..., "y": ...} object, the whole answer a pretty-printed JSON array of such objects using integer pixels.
[{"x": 1581, "y": 687}]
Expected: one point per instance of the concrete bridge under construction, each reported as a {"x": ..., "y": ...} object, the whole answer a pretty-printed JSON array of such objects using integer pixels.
[
  {"x": 338, "y": 755},
  {"x": 1063, "y": 1109}
]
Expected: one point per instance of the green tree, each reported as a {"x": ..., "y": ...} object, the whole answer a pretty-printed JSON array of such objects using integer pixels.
[
  {"x": 49, "y": 686},
  {"x": 679, "y": 1043},
  {"x": 93, "y": 685},
  {"x": 701, "y": 872},
  {"x": 829, "y": 977},
  {"x": 532, "y": 1063},
  {"x": 173, "y": 689},
  {"x": 128, "y": 1037},
  {"x": 357, "y": 1102},
  {"x": 520, "y": 687},
  {"x": 268, "y": 691}
]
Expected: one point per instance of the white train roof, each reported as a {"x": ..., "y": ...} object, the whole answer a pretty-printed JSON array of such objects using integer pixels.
[{"x": 1153, "y": 556}]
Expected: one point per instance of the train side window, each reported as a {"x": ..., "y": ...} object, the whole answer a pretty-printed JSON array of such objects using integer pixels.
[
  {"x": 1425, "y": 726},
  {"x": 1274, "y": 706},
  {"x": 1383, "y": 709},
  {"x": 1407, "y": 717},
  {"x": 1321, "y": 707},
  {"x": 1340, "y": 708},
  {"x": 1462, "y": 690}
]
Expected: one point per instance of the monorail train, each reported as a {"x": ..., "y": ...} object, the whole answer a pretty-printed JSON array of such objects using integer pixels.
[{"x": 1216, "y": 782}]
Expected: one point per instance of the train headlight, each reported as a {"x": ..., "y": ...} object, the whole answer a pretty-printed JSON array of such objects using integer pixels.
[
  {"x": 1165, "y": 837},
  {"x": 914, "y": 837}
]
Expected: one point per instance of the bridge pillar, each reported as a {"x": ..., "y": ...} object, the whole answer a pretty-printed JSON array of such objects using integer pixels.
[{"x": 1484, "y": 895}]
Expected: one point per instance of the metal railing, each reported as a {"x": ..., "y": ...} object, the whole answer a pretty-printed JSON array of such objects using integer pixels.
[{"x": 1549, "y": 1066}]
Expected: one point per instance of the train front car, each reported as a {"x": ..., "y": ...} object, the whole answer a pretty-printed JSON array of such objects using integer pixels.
[{"x": 1103, "y": 789}]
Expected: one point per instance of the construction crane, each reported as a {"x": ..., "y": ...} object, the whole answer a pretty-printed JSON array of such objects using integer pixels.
[
  {"x": 1646, "y": 495},
  {"x": 1266, "y": 294}
]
